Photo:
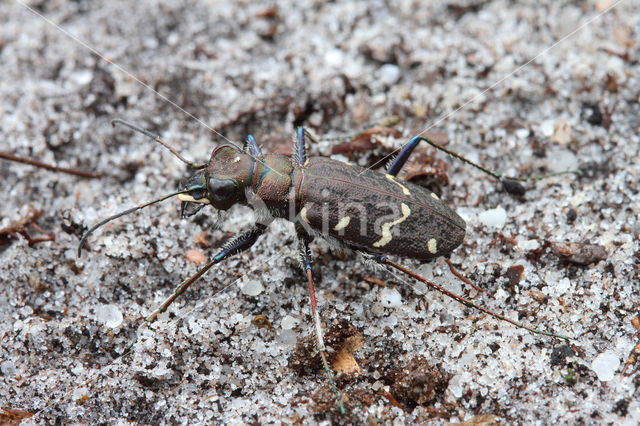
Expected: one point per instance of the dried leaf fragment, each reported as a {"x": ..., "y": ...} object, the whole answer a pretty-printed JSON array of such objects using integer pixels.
[
  {"x": 13, "y": 416},
  {"x": 344, "y": 361}
]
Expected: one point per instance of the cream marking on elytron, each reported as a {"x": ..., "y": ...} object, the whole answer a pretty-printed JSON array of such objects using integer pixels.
[
  {"x": 434, "y": 196},
  {"x": 432, "y": 245},
  {"x": 386, "y": 227},
  {"x": 404, "y": 188},
  {"x": 344, "y": 222}
]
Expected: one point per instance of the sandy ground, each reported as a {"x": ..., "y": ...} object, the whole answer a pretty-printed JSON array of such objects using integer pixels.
[{"x": 236, "y": 347}]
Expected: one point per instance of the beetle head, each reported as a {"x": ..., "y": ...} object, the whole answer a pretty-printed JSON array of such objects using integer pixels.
[{"x": 222, "y": 183}]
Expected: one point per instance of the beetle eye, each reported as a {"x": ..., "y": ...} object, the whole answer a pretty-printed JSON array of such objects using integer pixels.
[
  {"x": 222, "y": 192},
  {"x": 198, "y": 194}
]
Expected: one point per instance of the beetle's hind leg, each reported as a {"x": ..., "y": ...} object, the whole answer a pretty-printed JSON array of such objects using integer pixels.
[
  {"x": 405, "y": 152},
  {"x": 402, "y": 157},
  {"x": 233, "y": 246},
  {"x": 383, "y": 260},
  {"x": 510, "y": 184},
  {"x": 305, "y": 263}
]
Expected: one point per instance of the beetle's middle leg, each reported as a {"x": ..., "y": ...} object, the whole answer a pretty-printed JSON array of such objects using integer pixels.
[
  {"x": 251, "y": 147},
  {"x": 233, "y": 246},
  {"x": 385, "y": 124},
  {"x": 300, "y": 157},
  {"x": 305, "y": 260}
]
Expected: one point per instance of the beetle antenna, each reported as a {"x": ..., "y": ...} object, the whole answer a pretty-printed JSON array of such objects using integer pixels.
[
  {"x": 156, "y": 138},
  {"x": 123, "y": 213},
  {"x": 383, "y": 260}
]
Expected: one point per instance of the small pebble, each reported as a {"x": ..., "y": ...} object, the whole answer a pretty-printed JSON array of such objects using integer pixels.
[
  {"x": 561, "y": 132},
  {"x": 109, "y": 315},
  {"x": 287, "y": 337},
  {"x": 288, "y": 322},
  {"x": 173, "y": 39},
  {"x": 389, "y": 74},
  {"x": 194, "y": 327},
  {"x": 334, "y": 58},
  {"x": 82, "y": 77},
  {"x": 377, "y": 386},
  {"x": 546, "y": 127},
  {"x": 195, "y": 256},
  {"x": 522, "y": 133},
  {"x": 390, "y": 298},
  {"x": 7, "y": 368},
  {"x": 79, "y": 394},
  {"x": 561, "y": 161},
  {"x": 605, "y": 365},
  {"x": 528, "y": 245},
  {"x": 562, "y": 286},
  {"x": 252, "y": 288},
  {"x": 494, "y": 217}
]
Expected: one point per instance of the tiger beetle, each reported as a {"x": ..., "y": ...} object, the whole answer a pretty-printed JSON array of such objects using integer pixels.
[{"x": 375, "y": 214}]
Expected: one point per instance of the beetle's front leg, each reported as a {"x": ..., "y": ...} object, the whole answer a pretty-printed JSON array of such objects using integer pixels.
[
  {"x": 233, "y": 246},
  {"x": 305, "y": 263}
]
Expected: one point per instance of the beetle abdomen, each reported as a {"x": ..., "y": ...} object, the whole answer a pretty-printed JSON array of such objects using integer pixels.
[{"x": 376, "y": 212}]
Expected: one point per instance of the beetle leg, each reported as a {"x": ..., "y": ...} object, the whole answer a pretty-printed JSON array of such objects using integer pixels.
[
  {"x": 402, "y": 157},
  {"x": 511, "y": 184},
  {"x": 405, "y": 152},
  {"x": 233, "y": 246},
  {"x": 385, "y": 261},
  {"x": 300, "y": 153},
  {"x": 183, "y": 210},
  {"x": 251, "y": 147},
  {"x": 389, "y": 121},
  {"x": 305, "y": 260}
]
